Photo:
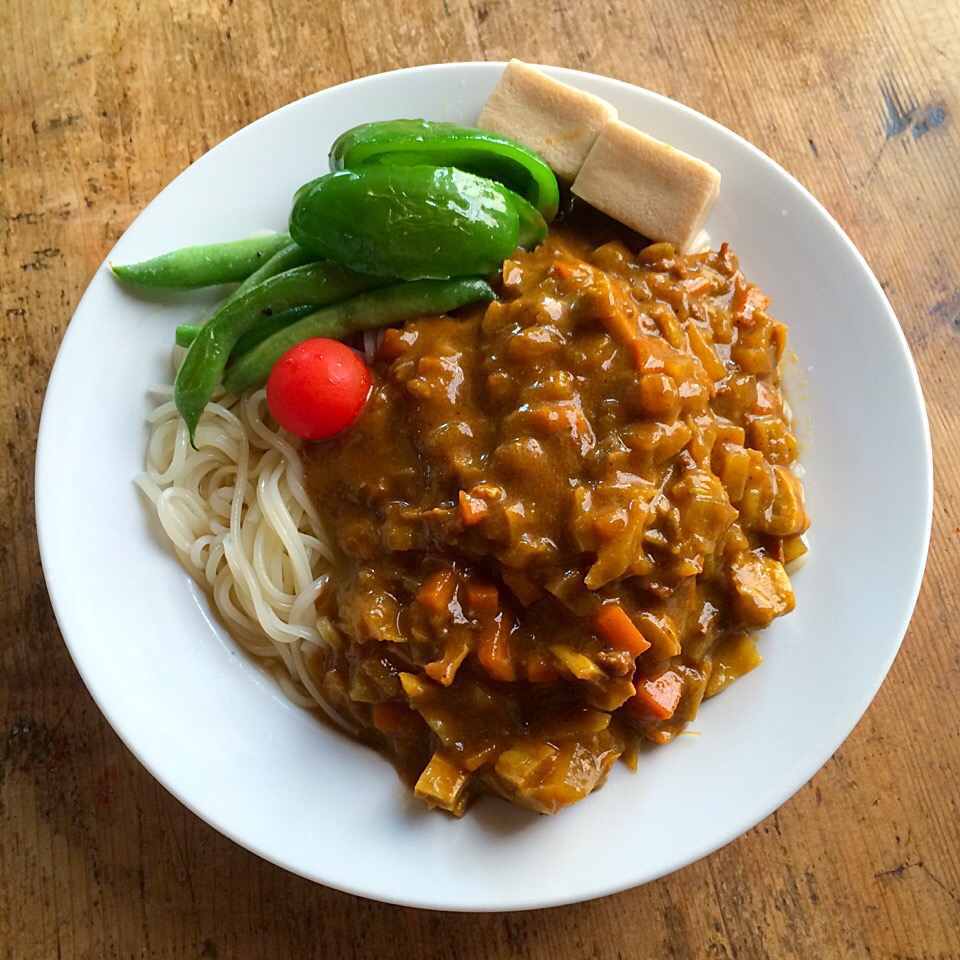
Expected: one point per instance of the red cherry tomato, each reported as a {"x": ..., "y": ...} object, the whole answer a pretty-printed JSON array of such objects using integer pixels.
[{"x": 317, "y": 388}]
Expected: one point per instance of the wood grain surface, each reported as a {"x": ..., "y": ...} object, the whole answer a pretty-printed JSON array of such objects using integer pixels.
[{"x": 102, "y": 104}]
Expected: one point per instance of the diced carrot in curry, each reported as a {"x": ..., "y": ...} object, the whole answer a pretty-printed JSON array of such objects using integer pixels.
[
  {"x": 391, "y": 717},
  {"x": 619, "y": 630},
  {"x": 482, "y": 600},
  {"x": 494, "y": 650},
  {"x": 437, "y": 592},
  {"x": 472, "y": 509},
  {"x": 658, "y": 696}
]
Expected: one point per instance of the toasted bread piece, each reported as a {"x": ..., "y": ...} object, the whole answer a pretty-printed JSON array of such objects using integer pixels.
[
  {"x": 659, "y": 191},
  {"x": 551, "y": 118}
]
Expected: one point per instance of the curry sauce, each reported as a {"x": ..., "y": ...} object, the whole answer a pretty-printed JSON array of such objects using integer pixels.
[{"x": 561, "y": 517}]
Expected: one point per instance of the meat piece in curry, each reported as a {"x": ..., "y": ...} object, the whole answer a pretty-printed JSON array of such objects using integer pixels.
[{"x": 561, "y": 519}]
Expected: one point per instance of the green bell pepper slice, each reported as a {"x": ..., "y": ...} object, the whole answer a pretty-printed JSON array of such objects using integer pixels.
[
  {"x": 425, "y": 142},
  {"x": 413, "y": 223}
]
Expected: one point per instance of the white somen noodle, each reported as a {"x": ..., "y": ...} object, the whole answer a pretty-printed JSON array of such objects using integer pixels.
[{"x": 240, "y": 520}]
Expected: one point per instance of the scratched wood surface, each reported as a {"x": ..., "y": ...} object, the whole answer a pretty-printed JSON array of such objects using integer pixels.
[{"x": 101, "y": 105}]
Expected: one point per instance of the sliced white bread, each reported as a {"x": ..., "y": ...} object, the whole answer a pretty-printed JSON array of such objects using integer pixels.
[
  {"x": 551, "y": 118},
  {"x": 655, "y": 189}
]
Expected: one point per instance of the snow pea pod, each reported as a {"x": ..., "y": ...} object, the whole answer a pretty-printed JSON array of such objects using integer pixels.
[
  {"x": 376, "y": 308},
  {"x": 487, "y": 154},
  {"x": 412, "y": 223},
  {"x": 286, "y": 258},
  {"x": 203, "y": 266},
  {"x": 186, "y": 333},
  {"x": 292, "y": 255},
  {"x": 316, "y": 284}
]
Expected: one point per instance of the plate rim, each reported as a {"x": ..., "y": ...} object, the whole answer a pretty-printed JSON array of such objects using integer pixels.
[{"x": 42, "y": 473}]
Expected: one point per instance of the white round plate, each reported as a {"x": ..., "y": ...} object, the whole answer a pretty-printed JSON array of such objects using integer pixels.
[{"x": 217, "y": 733}]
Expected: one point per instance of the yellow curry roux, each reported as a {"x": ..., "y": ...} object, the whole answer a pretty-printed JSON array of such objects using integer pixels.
[{"x": 562, "y": 517}]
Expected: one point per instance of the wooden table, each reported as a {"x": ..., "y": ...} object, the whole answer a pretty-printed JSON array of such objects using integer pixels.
[{"x": 101, "y": 105}]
